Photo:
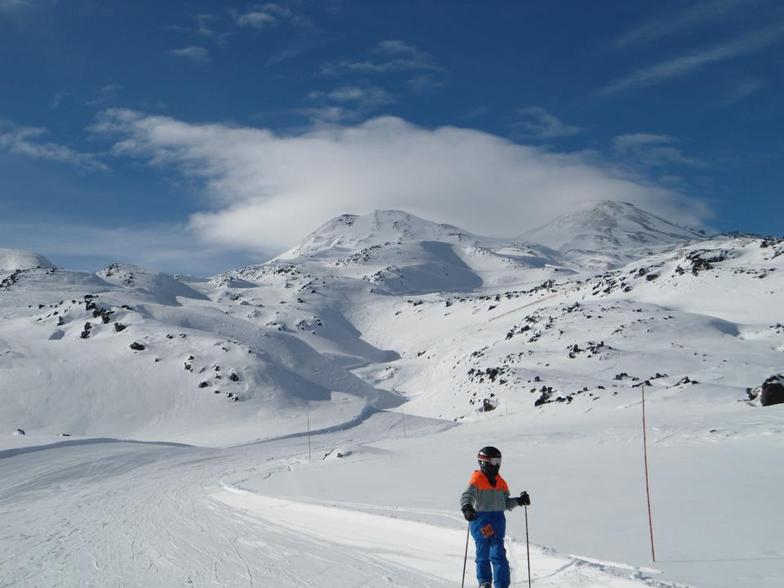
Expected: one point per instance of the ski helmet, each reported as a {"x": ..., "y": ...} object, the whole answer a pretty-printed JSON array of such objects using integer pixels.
[{"x": 489, "y": 459}]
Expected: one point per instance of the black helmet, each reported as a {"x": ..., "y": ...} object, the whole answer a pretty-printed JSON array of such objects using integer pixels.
[{"x": 489, "y": 460}]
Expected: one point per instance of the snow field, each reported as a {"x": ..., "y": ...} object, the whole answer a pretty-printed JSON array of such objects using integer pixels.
[{"x": 384, "y": 335}]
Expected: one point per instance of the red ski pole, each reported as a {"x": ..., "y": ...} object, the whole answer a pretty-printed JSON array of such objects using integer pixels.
[
  {"x": 527, "y": 548},
  {"x": 647, "y": 480}
]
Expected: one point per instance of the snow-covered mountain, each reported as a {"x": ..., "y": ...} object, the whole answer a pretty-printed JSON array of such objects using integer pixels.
[
  {"x": 15, "y": 259},
  {"x": 402, "y": 345},
  {"x": 353, "y": 299},
  {"x": 607, "y": 233},
  {"x": 400, "y": 253},
  {"x": 350, "y": 233}
]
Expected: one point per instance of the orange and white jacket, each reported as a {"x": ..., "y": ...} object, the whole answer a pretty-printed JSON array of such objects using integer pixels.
[{"x": 486, "y": 498}]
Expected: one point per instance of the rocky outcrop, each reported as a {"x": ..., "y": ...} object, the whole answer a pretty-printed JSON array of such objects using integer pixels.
[{"x": 772, "y": 391}]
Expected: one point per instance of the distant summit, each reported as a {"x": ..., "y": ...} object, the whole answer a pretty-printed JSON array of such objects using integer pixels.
[
  {"x": 350, "y": 233},
  {"x": 600, "y": 235},
  {"x": 17, "y": 259},
  {"x": 607, "y": 233}
]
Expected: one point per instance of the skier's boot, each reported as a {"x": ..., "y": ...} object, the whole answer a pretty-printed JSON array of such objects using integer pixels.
[{"x": 485, "y": 585}]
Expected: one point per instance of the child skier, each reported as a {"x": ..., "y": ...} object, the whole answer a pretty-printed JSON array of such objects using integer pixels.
[{"x": 483, "y": 505}]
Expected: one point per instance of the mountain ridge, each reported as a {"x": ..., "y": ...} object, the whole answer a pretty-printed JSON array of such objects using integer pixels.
[{"x": 359, "y": 329}]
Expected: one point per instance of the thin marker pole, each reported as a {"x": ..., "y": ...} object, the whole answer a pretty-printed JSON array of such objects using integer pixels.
[
  {"x": 647, "y": 479},
  {"x": 527, "y": 548},
  {"x": 308, "y": 432}
]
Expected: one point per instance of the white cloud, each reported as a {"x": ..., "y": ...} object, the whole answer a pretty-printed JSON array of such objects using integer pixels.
[
  {"x": 425, "y": 83},
  {"x": 652, "y": 150},
  {"x": 57, "y": 100},
  {"x": 387, "y": 56},
  {"x": 371, "y": 96},
  {"x": 346, "y": 103},
  {"x": 696, "y": 60},
  {"x": 743, "y": 90},
  {"x": 256, "y": 19},
  {"x": 205, "y": 26},
  {"x": 106, "y": 95},
  {"x": 12, "y": 5},
  {"x": 536, "y": 122},
  {"x": 268, "y": 190},
  {"x": 270, "y": 15},
  {"x": 194, "y": 54},
  {"x": 398, "y": 48},
  {"x": 329, "y": 114},
  {"x": 29, "y": 142},
  {"x": 694, "y": 15}
]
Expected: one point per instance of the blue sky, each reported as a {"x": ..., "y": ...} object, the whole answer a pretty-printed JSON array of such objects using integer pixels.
[{"x": 196, "y": 136}]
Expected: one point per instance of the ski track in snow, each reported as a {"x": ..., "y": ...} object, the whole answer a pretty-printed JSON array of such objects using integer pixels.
[{"x": 112, "y": 513}]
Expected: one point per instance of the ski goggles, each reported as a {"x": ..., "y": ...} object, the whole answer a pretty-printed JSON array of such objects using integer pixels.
[{"x": 495, "y": 461}]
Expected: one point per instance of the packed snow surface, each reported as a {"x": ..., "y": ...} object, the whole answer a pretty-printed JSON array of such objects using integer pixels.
[{"x": 313, "y": 420}]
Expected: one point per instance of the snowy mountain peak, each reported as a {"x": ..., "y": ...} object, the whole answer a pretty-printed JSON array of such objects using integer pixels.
[
  {"x": 17, "y": 259},
  {"x": 350, "y": 233},
  {"x": 607, "y": 233}
]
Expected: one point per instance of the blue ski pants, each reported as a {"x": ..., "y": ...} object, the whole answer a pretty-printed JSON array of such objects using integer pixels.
[{"x": 488, "y": 530}]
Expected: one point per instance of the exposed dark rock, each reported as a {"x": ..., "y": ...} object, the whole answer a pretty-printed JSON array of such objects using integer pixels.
[
  {"x": 772, "y": 391},
  {"x": 137, "y": 346},
  {"x": 203, "y": 384},
  {"x": 119, "y": 327},
  {"x": 489, "y": 404},
  {"x": 547, "y": 392},
  {"x": 702, "y": 260},
  {"x": 591, "y": 348},
  {"x": 686, "y": 380}
]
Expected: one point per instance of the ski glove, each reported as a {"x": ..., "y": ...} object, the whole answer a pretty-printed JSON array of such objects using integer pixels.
[
  {"x": 524, "y": 499},
  {"x": 468, "y": 512}
]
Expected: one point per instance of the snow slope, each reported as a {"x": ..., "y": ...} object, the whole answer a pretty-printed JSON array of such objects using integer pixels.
[
  {"x": 113, "y": 513},
  {"x": 402, "y": 346},
  {"x": 142, "y": 355}
]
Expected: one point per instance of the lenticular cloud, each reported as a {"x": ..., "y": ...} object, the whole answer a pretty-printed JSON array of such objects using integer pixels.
[{"x": 266, "y": 190}]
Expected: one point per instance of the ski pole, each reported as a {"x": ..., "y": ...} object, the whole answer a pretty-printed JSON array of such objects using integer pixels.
[
  {"x": 527, "y": 548},
  {"x": 465, "y": 557}
]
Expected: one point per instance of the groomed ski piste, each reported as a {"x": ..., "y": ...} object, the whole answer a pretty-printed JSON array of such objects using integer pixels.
[
  {"x": 312, "y": 421},
  {"x": 112, "y": 513}
]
